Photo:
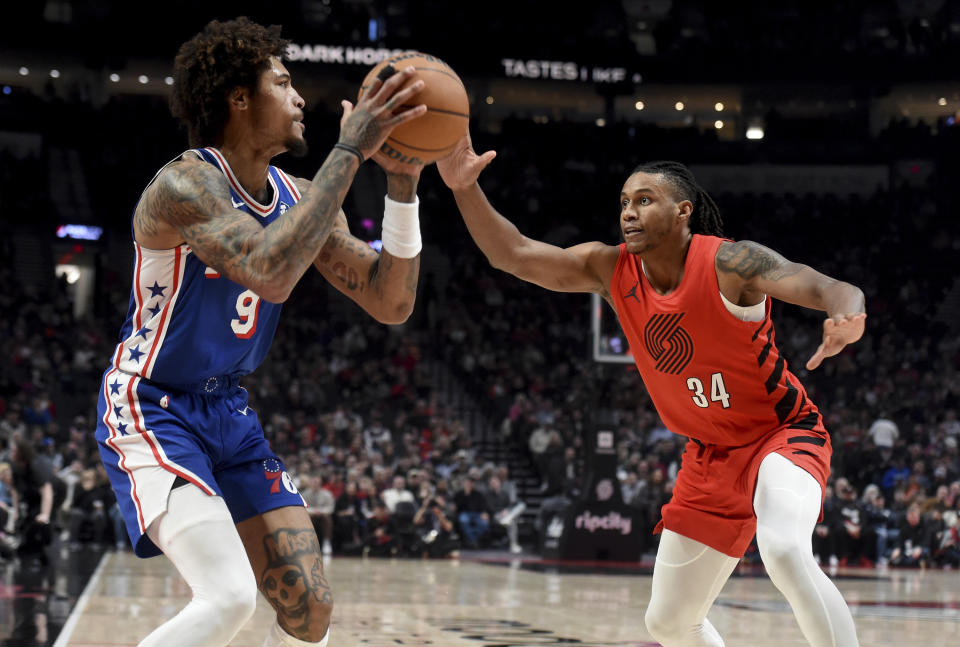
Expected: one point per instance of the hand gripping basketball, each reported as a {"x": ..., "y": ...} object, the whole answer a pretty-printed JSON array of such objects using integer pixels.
[
  {"x": 368, "y": 124},
  {"x": 426, "y": 139}
]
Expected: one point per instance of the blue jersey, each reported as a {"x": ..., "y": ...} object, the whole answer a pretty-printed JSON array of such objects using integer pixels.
[{"x": 186, "y": 323}]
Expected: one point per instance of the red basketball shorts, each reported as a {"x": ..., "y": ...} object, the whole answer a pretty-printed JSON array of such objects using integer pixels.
[{"x": 713, "y": 496}]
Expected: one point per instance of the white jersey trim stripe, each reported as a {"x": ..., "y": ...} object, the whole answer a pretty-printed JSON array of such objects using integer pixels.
[
  {"x": 112, "y": 445},
  {"x": 291, "y": 185},
  {"x": 164, "y": 266},
  {"x": 179, "y": 265},
  {"x": 172, "y": 467},
  {"x": 246, "y": 197},
  {"x": 137, "y": 320},
  {"x": 133, "y": 405},
  {"x": 133, "y": 401}
]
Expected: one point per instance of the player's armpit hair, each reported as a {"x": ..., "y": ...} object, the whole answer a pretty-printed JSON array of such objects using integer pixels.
[{"x": 748, "y": 260}]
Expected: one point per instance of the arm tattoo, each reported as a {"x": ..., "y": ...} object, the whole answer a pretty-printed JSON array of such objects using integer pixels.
[
  {"x": 352, "y": 266},
  {"x": 195, "y": 199},
  {"x": 144, "y": 221},
  {"x": 293, "y": 575},
  {"x": 749, "y": 260},
  {"x": 362, "y": 131},
  {"x": 386, "y": 270},
  {"x": 347, "y": 273}
]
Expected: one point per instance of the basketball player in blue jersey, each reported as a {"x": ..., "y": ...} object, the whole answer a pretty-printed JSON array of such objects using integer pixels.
[{"x": 221, "y": 238}]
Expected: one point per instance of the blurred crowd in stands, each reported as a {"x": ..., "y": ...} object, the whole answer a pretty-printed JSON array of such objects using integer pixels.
[
  {"x": 451, "y": 431},
  {"x": 689, "y": 36}
]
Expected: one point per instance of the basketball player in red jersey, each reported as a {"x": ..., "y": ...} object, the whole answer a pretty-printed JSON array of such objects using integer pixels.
[{"x": 696, "y": 310}]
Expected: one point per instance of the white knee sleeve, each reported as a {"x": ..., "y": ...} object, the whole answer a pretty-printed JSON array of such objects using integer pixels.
[
  {"x": 687, "y": 578},
  {"x": 198, "y": 536},
  {"x": 787, "y": 504}
]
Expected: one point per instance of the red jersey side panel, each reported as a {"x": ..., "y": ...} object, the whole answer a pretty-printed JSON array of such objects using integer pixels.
[{"x": 711, "y": 376}]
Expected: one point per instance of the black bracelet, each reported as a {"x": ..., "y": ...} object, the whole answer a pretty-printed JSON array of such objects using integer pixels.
[{"x": 350, "y": 149}]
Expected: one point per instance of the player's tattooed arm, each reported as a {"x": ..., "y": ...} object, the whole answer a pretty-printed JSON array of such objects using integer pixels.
[
  {"x": 145, "y": 223},
  {"x": 750, "y": 260},
  {"x": 193, "y": 198},
  {"x": 383, "y": 285},
  {"x": 394, "y": 282},
  {"x": 747, "y": 271},
  {"x": 744, "y": 267},
  {"x": 395, "y": 279}
]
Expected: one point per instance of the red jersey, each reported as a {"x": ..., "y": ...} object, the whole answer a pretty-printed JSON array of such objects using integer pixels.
[{"x": 711, "y": 376}]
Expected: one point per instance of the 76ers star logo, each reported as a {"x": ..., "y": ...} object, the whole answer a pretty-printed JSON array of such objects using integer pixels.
[{"x": 273, "y": 471}]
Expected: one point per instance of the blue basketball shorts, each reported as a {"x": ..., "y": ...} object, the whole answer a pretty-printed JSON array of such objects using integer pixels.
[{"x": 150, "y": 434}]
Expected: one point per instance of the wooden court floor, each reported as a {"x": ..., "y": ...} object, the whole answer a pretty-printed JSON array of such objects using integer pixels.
[{"x": 519, "y": 602}]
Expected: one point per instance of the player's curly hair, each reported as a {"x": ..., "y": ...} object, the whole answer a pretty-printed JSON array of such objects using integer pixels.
[
  {"x": 223, "y": 56},
  {"x": 705, "y": 218}
]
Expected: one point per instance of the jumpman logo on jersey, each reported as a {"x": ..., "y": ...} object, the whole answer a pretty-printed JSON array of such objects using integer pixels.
[{"x": 633, "y": 292}]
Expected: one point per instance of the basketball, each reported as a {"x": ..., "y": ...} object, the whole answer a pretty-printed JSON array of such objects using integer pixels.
[{"x": 427, "y": 138}]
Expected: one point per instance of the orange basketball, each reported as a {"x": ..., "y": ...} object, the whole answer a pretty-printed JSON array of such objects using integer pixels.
[{"x": 432, "y": 135}]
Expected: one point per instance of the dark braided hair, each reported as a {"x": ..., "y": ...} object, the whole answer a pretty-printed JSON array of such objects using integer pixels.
[
  {"x": 225, "y": 55},
  {"x": 705, "y": 218}
]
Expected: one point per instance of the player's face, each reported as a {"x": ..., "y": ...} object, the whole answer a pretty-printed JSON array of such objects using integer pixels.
[
  {"x": 649, "y": 212},
  {"x": 279, "y": 108}
]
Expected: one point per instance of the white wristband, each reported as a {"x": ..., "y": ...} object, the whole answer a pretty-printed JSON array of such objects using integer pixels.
[{"x": 401, "y": 227}]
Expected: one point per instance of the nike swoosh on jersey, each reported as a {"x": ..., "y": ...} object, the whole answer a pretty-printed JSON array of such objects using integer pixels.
[{"x": 236, "y": 204}]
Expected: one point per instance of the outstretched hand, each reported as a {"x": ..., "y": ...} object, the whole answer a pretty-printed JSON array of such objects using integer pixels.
[
  {"x": 461, "y": 168},
  {"x": 837, "y": 333}
]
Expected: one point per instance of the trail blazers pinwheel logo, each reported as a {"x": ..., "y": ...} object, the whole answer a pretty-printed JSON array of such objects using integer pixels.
[{"x": 668, "y": 343}]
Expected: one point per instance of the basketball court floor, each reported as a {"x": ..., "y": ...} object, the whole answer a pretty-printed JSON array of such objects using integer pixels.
[{"x": 490, "y": 600}]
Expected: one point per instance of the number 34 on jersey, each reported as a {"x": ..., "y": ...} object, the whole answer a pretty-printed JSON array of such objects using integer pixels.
[{"x": 718, "y": 391}]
